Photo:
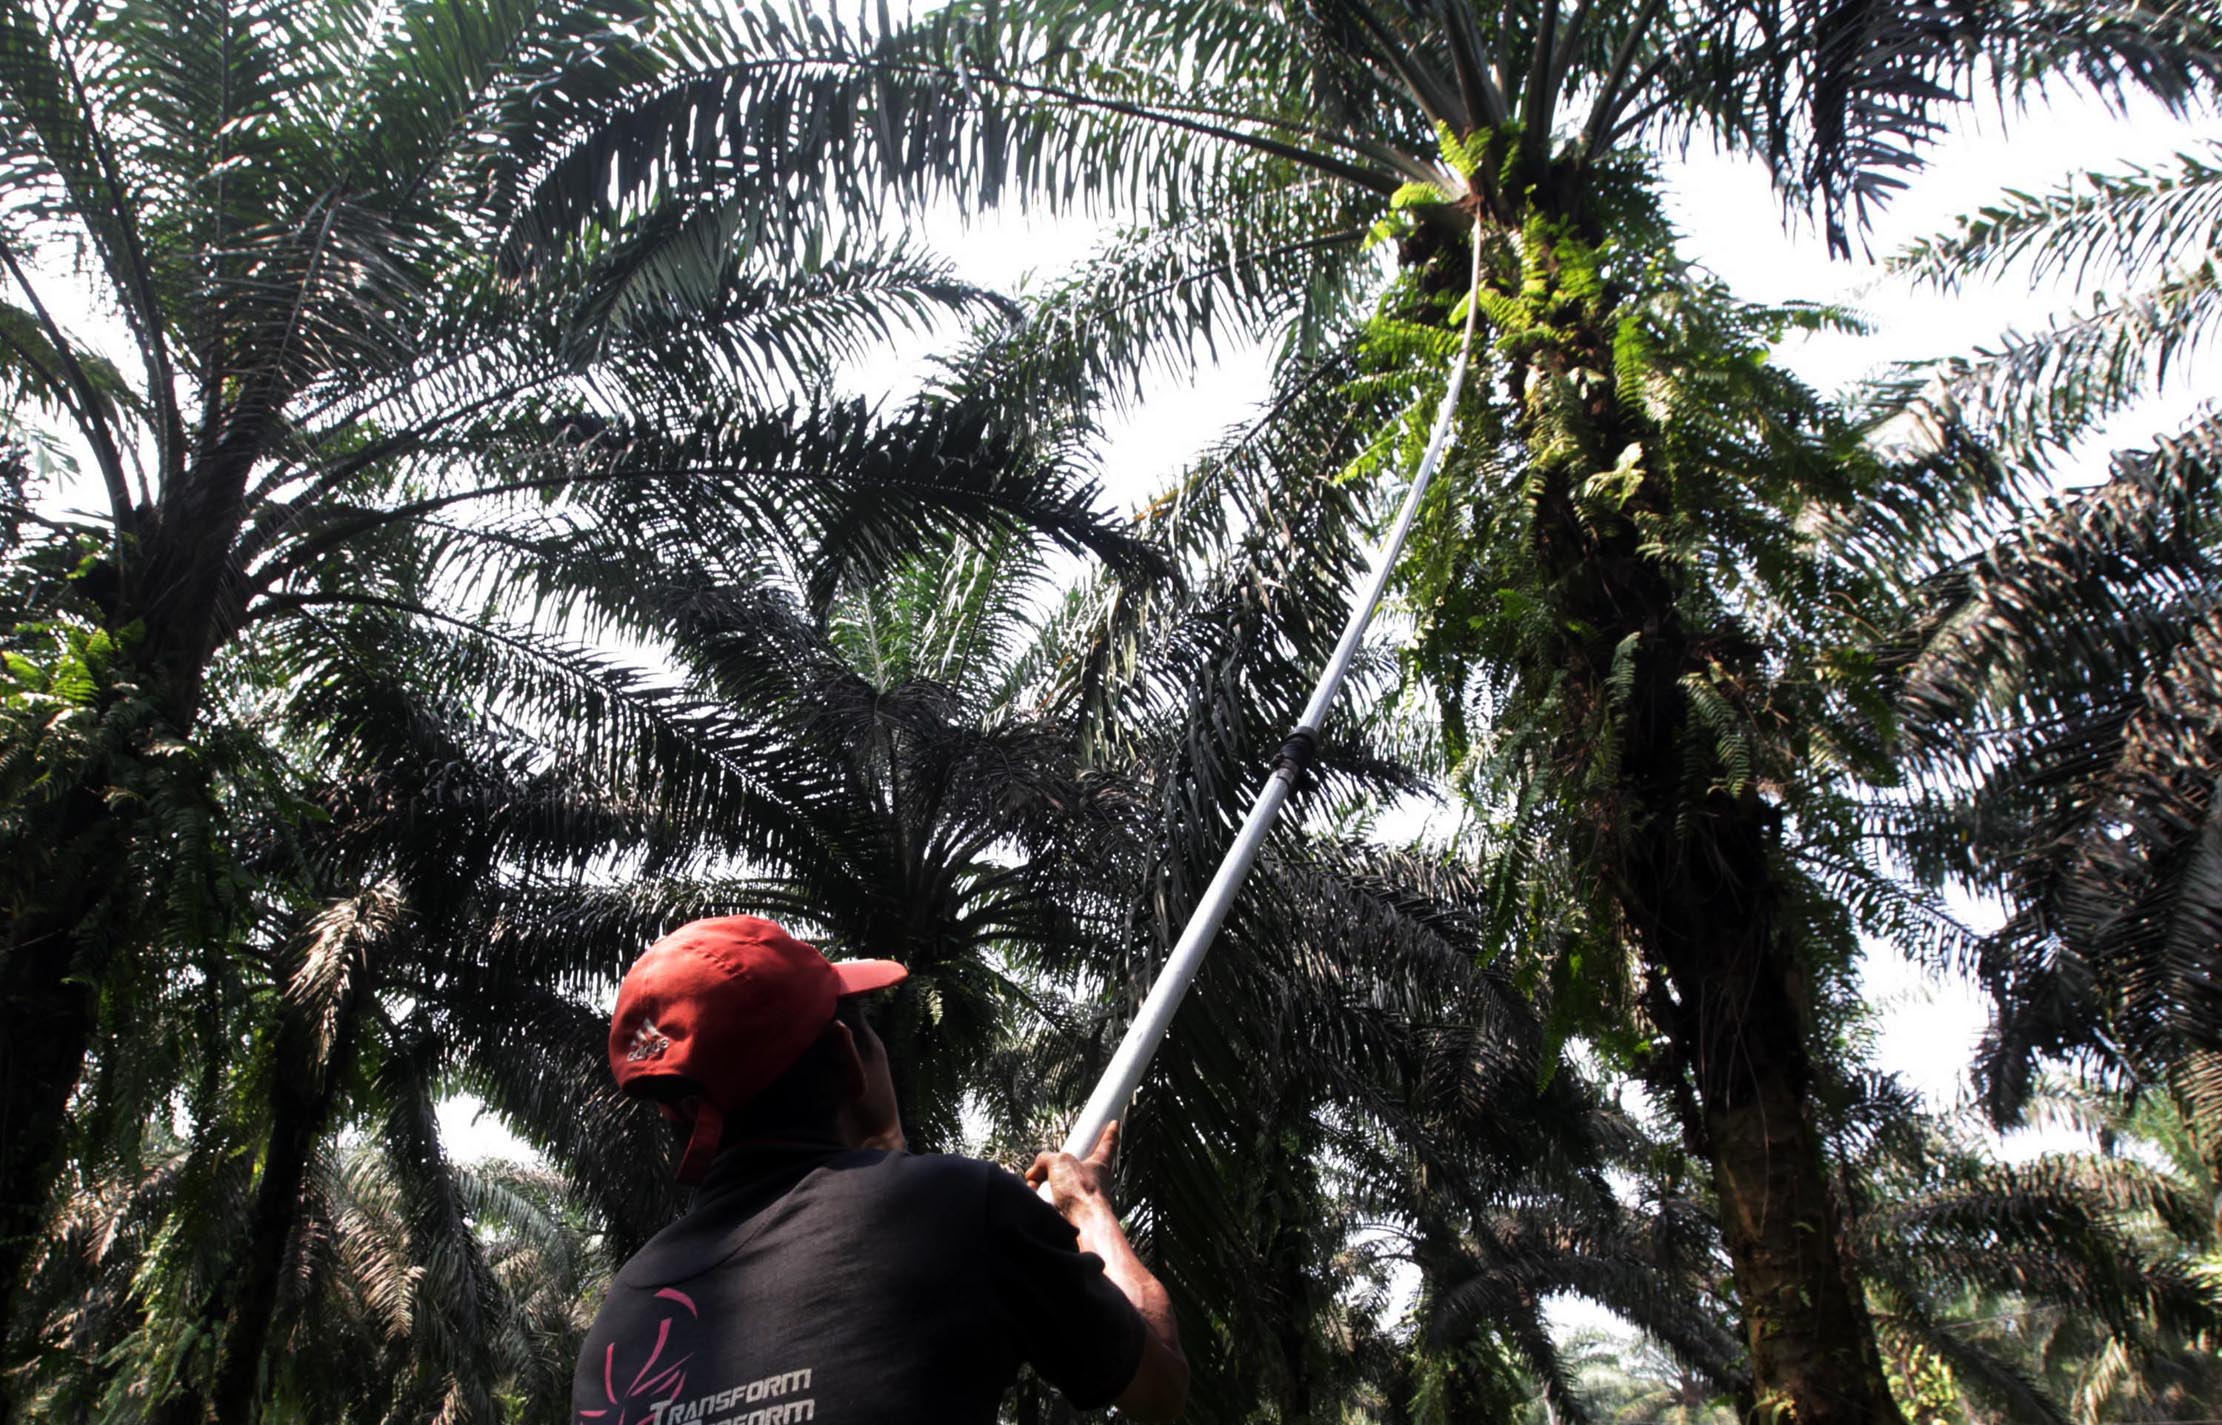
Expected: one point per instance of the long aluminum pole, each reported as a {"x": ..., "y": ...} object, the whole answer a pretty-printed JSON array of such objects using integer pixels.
[{"x": 1143, "y": 1036}]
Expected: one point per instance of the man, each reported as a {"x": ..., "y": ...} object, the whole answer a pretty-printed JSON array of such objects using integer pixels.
[{"x": 824, "y": 1274}]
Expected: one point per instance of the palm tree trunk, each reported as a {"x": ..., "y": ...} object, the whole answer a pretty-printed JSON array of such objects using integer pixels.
[
  {"x": 242, "y": 1307},
  {"x": 1292, "y": 1320},
  {"x": 294, "y": 1134},
  {"x": 44, "y": 1029},
  {"x": 1700, "y": 890},
  {"x": 1698, "y": 887},
  {"x": 43, "y": 1034},
  {"x": 47, "y": 1013},
  {"x": 1737, "y": 1018},
  {"x": 58, "y": 945}
]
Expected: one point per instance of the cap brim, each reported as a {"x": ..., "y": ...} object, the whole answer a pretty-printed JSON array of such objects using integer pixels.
[{"x": 862, "y": 976}]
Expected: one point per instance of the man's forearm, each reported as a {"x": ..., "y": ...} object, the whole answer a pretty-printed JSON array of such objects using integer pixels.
[
  {"x": 1101, "y": 1234},
  {"x": 1159, "y": 1390}
]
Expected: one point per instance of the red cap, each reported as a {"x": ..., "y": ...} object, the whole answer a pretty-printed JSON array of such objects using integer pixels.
[{"x": 727, "y": 1004}]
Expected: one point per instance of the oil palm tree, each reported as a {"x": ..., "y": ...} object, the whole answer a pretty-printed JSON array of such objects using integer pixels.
[
  {"x": 293, "y": 215},
  {"x": 378, "y": 810},
  {"x": 1637, "y": 488},
  {"x": 2061, "y": 683},
  {"x": 2065, "y": 1288},
  {"x": 363, "y": 1335}
]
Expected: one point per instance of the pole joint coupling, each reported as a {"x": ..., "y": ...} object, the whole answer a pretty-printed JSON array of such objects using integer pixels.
[{"x": 1296, "y": 753}]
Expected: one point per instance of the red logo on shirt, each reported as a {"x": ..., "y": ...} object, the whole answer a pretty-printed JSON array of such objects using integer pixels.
[{"x": 651, "y": 1390}]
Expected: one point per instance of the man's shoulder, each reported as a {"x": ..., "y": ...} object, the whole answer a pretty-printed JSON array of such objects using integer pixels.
[
  {"x": 949, "y": 1175},
  {"x": 952, "y": 1166},
  {"x": 962, "y": 1195},
  {"x": 861, "y": 1189},
  {"x": 869, "y": 1181}
]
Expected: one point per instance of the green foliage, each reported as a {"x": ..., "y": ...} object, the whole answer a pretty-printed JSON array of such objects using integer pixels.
[
  {"x": 2059, "y": 680},
  {"x": 2061, "y": 1288}
]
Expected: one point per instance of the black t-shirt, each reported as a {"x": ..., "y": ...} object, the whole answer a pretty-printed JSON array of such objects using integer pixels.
[{"x": 847, "y": 1287}]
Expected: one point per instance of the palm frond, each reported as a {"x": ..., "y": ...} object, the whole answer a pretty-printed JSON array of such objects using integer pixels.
[
  {"x": 2066, "y": 680},
  {"x": 2098, "y": 227}
]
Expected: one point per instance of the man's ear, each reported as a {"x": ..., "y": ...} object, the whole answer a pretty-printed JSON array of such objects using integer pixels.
[{"x": 848, "y": 1059}]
